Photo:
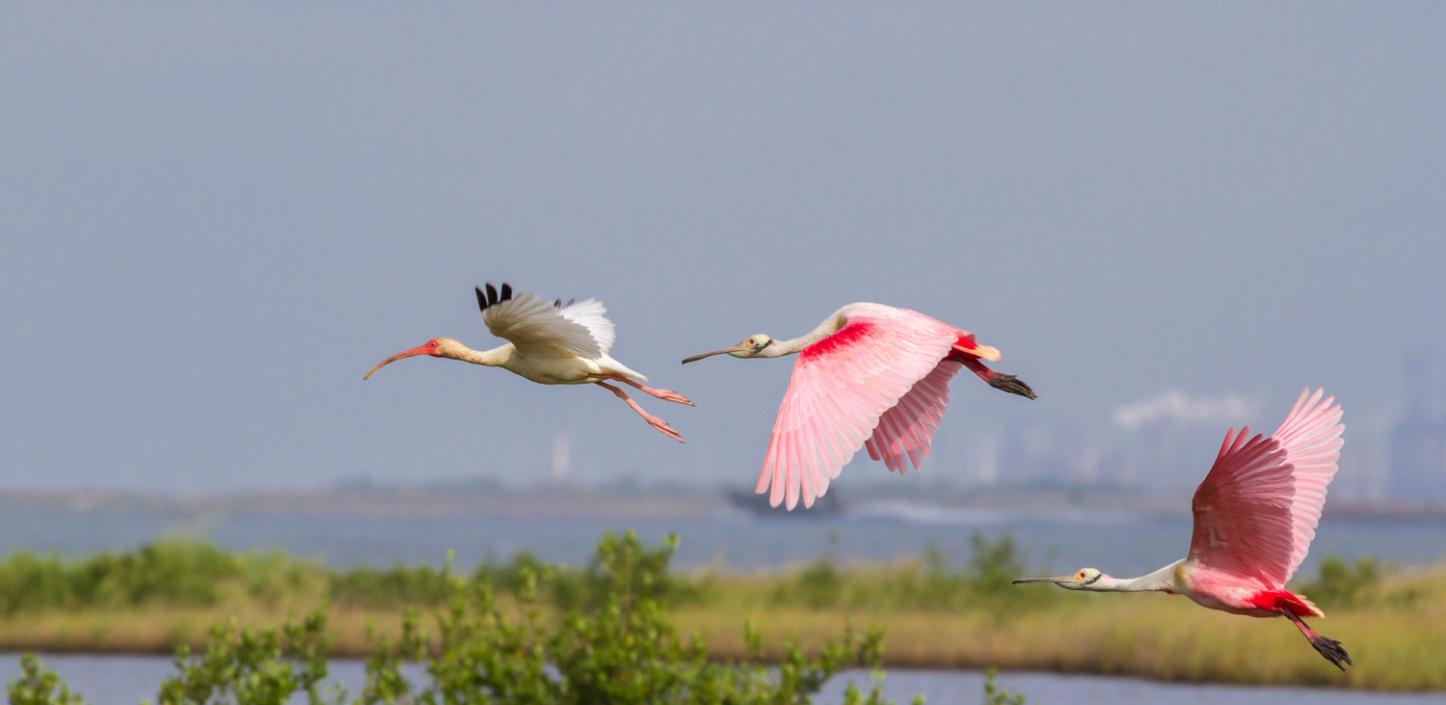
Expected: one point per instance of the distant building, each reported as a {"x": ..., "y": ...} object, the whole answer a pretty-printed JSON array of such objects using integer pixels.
[{"x": 1418, "y": 440}]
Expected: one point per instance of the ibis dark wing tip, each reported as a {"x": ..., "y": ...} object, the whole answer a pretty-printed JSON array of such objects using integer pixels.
[
  {"x": 481, "y": 298},
  {"x": 491, "y": 294},
  {"x": 506, "y": 292}
]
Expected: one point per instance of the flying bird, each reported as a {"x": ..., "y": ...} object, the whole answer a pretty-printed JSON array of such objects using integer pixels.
[
  {"x": 1255, "y": 515},
  {"x": 549, "y": 343},
  {"x": 870, "y": 376}
]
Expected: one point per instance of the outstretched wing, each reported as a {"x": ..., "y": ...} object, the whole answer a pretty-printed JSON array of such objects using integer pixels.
[
  {"x": 589, "y": 313},
  {"x": 906, "y": 431},
  {"x": 1257, "y": 511},
  {"x": 530, "y": 322},
  {"x": 841, "y": 386}
]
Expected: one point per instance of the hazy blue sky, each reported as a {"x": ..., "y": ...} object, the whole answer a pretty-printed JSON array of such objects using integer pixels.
[{"x": 215, "y": 217}]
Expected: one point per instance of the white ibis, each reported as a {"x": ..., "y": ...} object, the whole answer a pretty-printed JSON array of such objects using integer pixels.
[{"x": 549, "y": 343}]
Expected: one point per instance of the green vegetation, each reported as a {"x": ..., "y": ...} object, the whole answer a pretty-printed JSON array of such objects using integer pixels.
[
  {"x": 929, "y": 584},
  {"x": 38, "y": 685},
  {"x": 617, "y": 647},
  {"x": 935, "y": 614},
  {"x": 171, "y": 572}
]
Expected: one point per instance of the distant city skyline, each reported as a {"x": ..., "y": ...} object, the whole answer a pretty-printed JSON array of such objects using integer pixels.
[{"x": 215, "y": 218}]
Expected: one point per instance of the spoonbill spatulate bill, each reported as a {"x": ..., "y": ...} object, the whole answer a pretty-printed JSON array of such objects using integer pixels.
[
  {"x": 1255, "y": 516},
  {"x": 549, "y": 343},
  {"x": 869, "y": 376}
]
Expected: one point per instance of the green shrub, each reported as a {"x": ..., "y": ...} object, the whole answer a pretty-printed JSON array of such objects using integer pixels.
[
  {"x": 995, "y": 695},
  {"x": 170, "y": 571},
  {"x": 252, "y": 667},
  {"x": 38, "y": 685},
  {"x": 1341, "y": 584},
  {"x": 616, "y": 647},
  {"x": 370, "y": 587}
]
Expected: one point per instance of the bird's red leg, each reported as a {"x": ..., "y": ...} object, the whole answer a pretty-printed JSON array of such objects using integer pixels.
[
  {"x": 653, "y": 421},
  {"x": 997, "y": 380},
  {"x": 1329, "y": 648},
  {"x": 664, "y": 394}
]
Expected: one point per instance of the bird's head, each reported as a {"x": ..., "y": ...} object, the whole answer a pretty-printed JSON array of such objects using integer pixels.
[
  {"x": 436, "y": 347},
  {"x": 1082, "y": 579},
  {"x": 749, "y": 347}
]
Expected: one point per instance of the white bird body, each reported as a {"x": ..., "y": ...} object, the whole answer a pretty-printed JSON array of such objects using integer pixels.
[
  {"x": 541, "y": 364},
  {"x": 548, "y": 343}
]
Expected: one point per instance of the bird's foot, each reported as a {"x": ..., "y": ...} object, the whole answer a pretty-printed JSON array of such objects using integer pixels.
[
  {"x": 663, "y": 428},
  {"x": 672, "y": 396},
  {"x": 1011, "y": 384},
  {"x": 1332, "y": 651}
]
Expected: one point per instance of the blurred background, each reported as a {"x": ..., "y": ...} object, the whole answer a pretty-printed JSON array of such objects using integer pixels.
[{"x": 1170, "y": 219}]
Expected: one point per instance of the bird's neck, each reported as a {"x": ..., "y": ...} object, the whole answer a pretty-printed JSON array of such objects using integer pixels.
[
  {"x": 1162, "y": 580},
  {"x": 779, "y": 348},
  {"x": 496, "y": 357}
]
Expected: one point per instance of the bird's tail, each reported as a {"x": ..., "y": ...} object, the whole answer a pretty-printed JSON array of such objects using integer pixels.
[{"x": 618, "y": 367}]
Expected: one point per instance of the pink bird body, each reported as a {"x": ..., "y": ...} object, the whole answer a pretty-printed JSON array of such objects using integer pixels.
[
  {"x": 549, "y": 343},
  {"x": 1255, "y": 516},
  {"x": 870, "y": 376}
]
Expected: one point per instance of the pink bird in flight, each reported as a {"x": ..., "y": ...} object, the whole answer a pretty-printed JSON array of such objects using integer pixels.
[
  {"x": 1255, "y": 516},
  {"x": 869, "y": 376},
  {"x": 549, "y": 343}
]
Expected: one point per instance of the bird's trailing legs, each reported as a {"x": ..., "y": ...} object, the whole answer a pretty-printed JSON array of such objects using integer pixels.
[
  {"x": 653, "y": 421},
  {"x": 1329, "y": 648},
  {"x": 664, "y": 394},
  {"x": 997, "y": 380}
]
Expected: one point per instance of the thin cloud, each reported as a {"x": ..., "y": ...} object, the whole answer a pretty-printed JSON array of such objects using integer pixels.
[{"x": 1177, "y": 407}]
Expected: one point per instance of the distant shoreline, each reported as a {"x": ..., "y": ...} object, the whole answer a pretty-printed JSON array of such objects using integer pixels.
[{"x": 627, "y": 502}]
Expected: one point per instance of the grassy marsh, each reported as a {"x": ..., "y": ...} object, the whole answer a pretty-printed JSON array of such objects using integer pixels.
[{"x": 932, "y": 614}]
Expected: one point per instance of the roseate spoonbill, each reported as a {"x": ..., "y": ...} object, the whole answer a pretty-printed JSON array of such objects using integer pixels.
[
  {"x": 1255, "y": 516},
  {"x": 550, "y": 343},
  {"x": 870, "y": 375}
]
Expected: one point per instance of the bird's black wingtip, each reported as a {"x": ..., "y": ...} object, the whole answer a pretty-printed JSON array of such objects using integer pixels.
[{"x": 481, "y": 298}]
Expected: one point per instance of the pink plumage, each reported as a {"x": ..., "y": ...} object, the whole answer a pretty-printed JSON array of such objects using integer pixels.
[
  {"x": 879, "y": 378},
  {"x": 1255, "y": 516},
  {"x": 1257, "y": 510}
]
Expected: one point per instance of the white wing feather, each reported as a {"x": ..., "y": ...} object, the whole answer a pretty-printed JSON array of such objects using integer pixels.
[
  {"x": 589, "y": 314},
  {"x": 530, "y": 322}
]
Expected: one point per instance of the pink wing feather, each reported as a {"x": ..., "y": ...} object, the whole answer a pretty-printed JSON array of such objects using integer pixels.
[
  {"x": 906, "y": 431},
  {"x": 842, "y": 386},
  {"x": 1257, "y": 511}
]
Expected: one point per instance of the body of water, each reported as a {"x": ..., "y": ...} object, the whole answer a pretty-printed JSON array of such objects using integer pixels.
[{"x": 1121, "y": 544}]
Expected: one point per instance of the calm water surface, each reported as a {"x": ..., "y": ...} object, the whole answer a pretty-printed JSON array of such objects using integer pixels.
[{"x": 1120, "y": 544}]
